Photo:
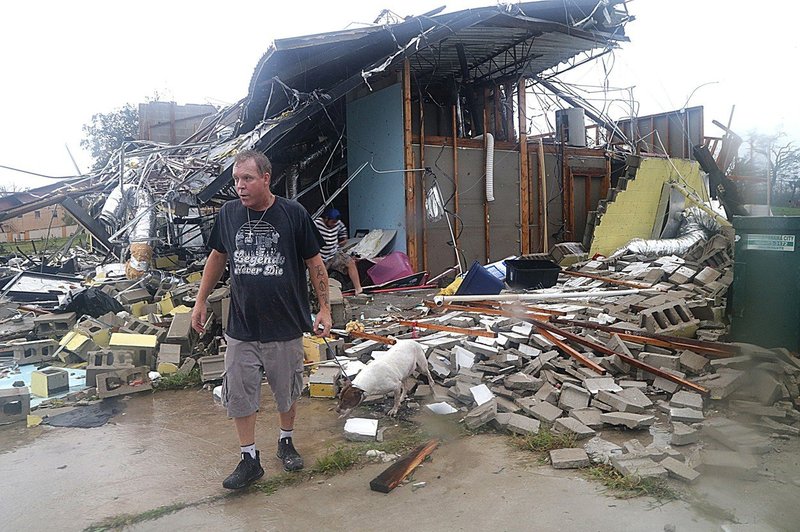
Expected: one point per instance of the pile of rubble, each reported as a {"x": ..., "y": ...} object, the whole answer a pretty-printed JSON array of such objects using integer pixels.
[{"x": 648, "y": 362}]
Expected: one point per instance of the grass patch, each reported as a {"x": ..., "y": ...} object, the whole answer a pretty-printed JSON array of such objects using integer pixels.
[
  {"x": 628, "y": 487},
  {"x": 178, "y": 381},
  {"x": 543, "y": 441},
  {"x": 338, "y": 461}
]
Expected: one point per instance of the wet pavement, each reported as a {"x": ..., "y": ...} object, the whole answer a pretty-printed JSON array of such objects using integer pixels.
[{"x": 176, "y": 447}]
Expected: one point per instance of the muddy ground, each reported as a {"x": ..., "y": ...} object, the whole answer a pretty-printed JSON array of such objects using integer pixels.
[{"x": 174, "y": 448}]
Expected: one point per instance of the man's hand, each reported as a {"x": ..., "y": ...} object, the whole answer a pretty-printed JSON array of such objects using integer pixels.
[
  {"x": 199, "y": 317},
  {"x": 323, "y": 323}
]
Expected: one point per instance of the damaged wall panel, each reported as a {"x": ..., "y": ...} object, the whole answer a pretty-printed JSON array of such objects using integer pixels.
[
  {"x": 504, "y": 239},
  {"x": 375, "y": 134},
  {"x": 631, "y": 214}
]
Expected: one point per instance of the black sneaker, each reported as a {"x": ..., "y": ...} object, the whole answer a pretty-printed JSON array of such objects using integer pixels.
[
  {"x": 292, "y": 461},
  {"x": 249, "y": 470}
]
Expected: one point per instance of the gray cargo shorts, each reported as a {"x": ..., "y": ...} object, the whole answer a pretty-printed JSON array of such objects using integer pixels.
[{"x": 247, "y": 362}]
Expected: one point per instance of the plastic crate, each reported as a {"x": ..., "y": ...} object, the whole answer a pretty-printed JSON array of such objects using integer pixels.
[
  {"x": 530, "y": 273},
  {"x": 479, "y": 281}
]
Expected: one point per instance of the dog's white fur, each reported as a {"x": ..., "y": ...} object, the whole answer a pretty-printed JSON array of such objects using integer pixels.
[{"x": 388, "y": 373}]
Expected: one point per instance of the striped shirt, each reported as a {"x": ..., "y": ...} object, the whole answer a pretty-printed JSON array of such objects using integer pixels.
[{"x": 331, "y": 236}]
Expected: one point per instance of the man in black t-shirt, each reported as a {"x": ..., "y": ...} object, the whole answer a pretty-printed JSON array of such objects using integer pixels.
[{"x": 267, "y": 243}]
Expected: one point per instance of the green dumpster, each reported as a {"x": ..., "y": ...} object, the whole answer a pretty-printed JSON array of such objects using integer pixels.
[{"x": 765, "y": 309}]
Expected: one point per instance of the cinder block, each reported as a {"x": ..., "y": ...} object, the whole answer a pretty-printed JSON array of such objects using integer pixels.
[
  {"x": 134, "y": 296},
  {"x": 569, "y": 458},
  {"x": 673, "y": 318},
  {"x": 142, "y": 327},
  {"x": 105, "y": 361},
  {"x": 169, "y": 353},
  {"x": 315, "y": 349},
  {"x": 142, "y": 345},
  {"x": 53, "y": 325},
  {"x": 15, "y": 405},
  {"x": 49, "y": 381},
  {"x": 123, "y": 381},
  {"x": 33, "y": 352},
  {"x": 181, "y": 332},
  {"x": 99, "y": 332},
  {"x": 322, "y": 382},
  {"x": 211, "y": 367},
  {"x": 572, "y": 397},
  {"x": 77, "y": 343}
]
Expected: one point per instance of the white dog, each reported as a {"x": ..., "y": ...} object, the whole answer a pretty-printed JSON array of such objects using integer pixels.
[{"x": 386, "y": 374}]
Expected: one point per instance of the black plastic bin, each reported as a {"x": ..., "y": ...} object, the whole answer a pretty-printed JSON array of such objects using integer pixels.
[{"x": 531, "y": 273}]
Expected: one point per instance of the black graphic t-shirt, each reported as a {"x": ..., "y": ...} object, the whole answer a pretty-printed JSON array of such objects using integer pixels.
[{"x": 269, "y": 295}]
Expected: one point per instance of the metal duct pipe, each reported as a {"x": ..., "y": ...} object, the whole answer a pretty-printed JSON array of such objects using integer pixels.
[
  {"x": 696, "y": 225},
  {"x": 145, "y": 215},
  {"x": 114, "y": 207}
]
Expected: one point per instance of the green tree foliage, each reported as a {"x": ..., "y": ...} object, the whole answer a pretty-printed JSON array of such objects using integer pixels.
[{"x": 107, "y": 131}]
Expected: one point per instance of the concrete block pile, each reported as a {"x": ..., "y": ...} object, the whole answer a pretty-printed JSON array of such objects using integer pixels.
[{"x": 647, "y": 368}]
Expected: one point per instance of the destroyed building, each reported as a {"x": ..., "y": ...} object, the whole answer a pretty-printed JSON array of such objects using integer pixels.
[{"x": 612, "y": 313}]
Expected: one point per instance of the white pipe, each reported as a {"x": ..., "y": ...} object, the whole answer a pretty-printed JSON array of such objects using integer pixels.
[
  {"x": 489, "y": 167},
  {"x": 441, "y": 300}
]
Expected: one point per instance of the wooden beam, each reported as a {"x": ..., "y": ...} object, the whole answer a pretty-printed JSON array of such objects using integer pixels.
[
  {"x": 543, "y": 197},
  {"x": 393, "y": 475},
  {"x": 422, "y": 182},
  {"x": 609, "y": 280},
  {"x": 410, "y": 178},
  {"x": 605, "y": 186},
  {"x": 571, "y": 352},
  {"x": 524, "y": 174},
  {"x": 373, "y": 337},
  {"x": 456, "y": 220}
]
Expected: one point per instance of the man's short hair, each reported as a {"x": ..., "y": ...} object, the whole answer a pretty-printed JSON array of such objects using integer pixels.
[{"x": 261, "y": 160}]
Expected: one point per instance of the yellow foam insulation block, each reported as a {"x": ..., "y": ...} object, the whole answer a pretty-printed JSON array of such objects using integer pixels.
[
  {"x": 194, "y": 277},
  {"x": 74, "y": 344},
  {"x": 137, "y": 309},
  {"x": 166, "y": 262},
  {"x": 67, "y": 338},
  {"x": 166, "y": 304},
  {"x": 167, "y": 368},
  {"x": 133, "y": 340},
  {"x": 180, "y": 309},
  {"x": 312, "y": 346},
  {"x": 632, "y": 214}
]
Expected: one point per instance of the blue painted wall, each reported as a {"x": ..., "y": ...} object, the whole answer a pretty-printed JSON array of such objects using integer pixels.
[{"x": 375, "y": 133}]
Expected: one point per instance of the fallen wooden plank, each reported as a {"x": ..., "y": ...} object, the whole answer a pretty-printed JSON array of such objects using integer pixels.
[
  {"x": 630, "y": 360},
  {"x": 373, "y": 337},
  {"x": 640, "y": 337},
  {"x": 447, "y": 328},
  {"x": 393, "y": 475},
  {"x": 569, "y": 350},
  {"x": 608, "y": 280}
]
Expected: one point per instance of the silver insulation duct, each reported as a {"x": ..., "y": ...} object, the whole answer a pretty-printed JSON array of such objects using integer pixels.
[
  {"x": 145, "y": 218},
  {"x": 114, "y": 207},
  {"x": 126, "y": 198},
  {"x": 696, "y": 225}
]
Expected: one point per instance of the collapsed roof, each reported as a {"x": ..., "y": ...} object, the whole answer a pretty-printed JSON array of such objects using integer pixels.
[{"x": 300, "y": 78}]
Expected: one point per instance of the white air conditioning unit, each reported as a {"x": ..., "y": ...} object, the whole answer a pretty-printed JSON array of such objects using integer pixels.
[{"x": 571, "y": 127}]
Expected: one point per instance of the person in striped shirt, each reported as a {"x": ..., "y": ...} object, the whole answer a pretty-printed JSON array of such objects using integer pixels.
[{"x": 334, "y": 234}]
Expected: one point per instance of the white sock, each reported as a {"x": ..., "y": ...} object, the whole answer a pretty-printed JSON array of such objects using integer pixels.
[
  {"x": 249, "y": 449},
  {"x": 286, "y": 434}
]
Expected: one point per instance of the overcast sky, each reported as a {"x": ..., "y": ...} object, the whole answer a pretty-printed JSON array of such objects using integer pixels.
[{"x": 61, "y": 61}]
